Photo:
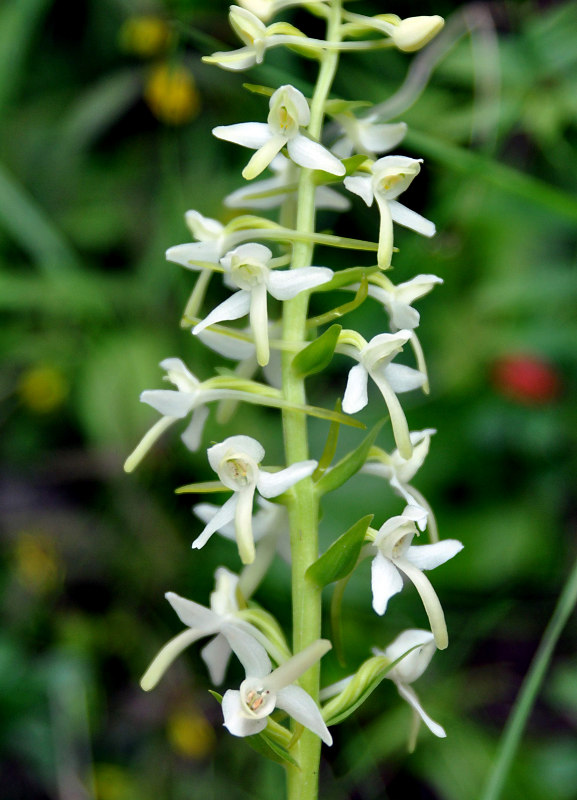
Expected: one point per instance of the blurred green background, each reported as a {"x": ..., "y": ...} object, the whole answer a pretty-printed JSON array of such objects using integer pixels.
[{"x": 106, "y": 112}]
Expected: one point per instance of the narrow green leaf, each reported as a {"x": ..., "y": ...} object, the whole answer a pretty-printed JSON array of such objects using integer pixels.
[
  {"x": 19, "y": 20},
  {"x": 202, "y": 488},
  {"x": 317, "y": 355},
  {"x": 330, "y": 447},
  {"x": 345, "y": 308},
  {"x": 268, "y": 748},
  {"x": 256, "y": 88},
  {"x": 349, "y": 465},
  {"x": 335, "y": 615},
  {"x": 342, "y": 556}
]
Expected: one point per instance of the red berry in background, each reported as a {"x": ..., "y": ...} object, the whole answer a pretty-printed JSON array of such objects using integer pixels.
[{"x": 526, "y": 379}]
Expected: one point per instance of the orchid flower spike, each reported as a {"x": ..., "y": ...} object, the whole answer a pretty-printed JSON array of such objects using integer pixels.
[
  {"x": 422, "y": 648},
  {"x": 221, "y": 620},
  {"x": 246, "y": 710},
  {"x": 248, "y": 267},
  {"x": 389, "y": 177},
  {"x": 395, "y": 555},
  {"x": 236, "y": 462},
  {"x": 374, "y": 359},
  {"x": 289, "y": 111},
  {"x": 190, "y": 395},
  {"x": 399, "y": 471},
  {"x": 272, "y": 192}
]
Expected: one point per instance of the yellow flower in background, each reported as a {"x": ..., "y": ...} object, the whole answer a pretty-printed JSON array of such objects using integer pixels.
[
  {"x": 42, "y": 388},
  {"x": 190, "y": 734},
  {"x": 171, "y": 94},
  {"x": 146, "y": 36},
  {"x": 36, "y": 562}
]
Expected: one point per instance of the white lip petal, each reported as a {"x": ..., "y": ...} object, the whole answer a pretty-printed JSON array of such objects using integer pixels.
[
  {"x": 263, "y": 156},
  {"x": 243, "y": 524},
  {"x": 286, "y": 285},
  {"x": 234, "y": 307},
  {"x": 259, "y": 323},
  {"x": 227, "y": 346},
  {"x": 271, "y": 484},
  {"x": 224, "y": 514},
  {"x": 192, "y": 436},
  {"x": 429, "y": 556},
  {"x": 248, "y": 134},
  {"x": 216, "y": 656},
  {"x": 300, "y": 705},
  {"x": 206, "y": 511},
  {"x": 385, "y": 582},
  {"x": 361, "y": 185},
  {"x": 168, "y": 402},
  {"x": 402, "y": 378},
  {"x": 187, "y": 254},
  {"x": 409, "y": 695},
  {"x": 356, "y": 393},
  {"x": 410, "y": 219},
  {"x": 234, "y": 718},
  {"x": 429, "y": 599},
  {"x": 313, "y": 155}
]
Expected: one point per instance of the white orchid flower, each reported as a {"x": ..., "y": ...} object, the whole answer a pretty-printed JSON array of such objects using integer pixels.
[
  {"x": 399, "y": 471},
  {"x": 395, "y": 556},
  {"x": 246, "y": 710},
  {"x": 389, "y": 177},
  {"x": 267, "y": 9},
  {"x": 289, "y": 111},
  {"x": 249, "y": 268},
  {"x": 397, "y": 300},
  {"x": 422, "y": 649},
  {"x": 221, "y": 620},
  {"x": 374, "y": 359},
  {"x": 236, "y": 462},
  {"x": 366, "y": 135},
  {"x": 271, "y": 533},
  {"x": 272, "y": 192},
  {"x": 191, "y": 395}
]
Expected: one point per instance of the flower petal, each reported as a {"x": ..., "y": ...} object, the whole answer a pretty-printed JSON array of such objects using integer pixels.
[
  {"x": 385, "y": 582},
  {"x": 223, "y": 515},
  {"x": 300, "y": 705},
  {"x": 271, "y": 484},
  {"x": 234, "y": 307},
  {"x": 169, "y": 402},
  {"x": 397, "y": 415},
  {"x": 410, "y": 219},
  {"x": 216, "y": 656},
  {"x": 430, "y": 601},
  {"x": 356, "y": 394},
  {"x": 286, "y": 285},
  {"x": 306, "y": 153},
  {"x": 263, "y": 156},
  {"x": 383, "y": 137},
  {"x": 402, "y": 378},
  {"x": 243, "y": 524},
  {"x": 207, "y": 511},
  {"x": 259, "y": 323},
  {"x": 192, "y": 436},
  {"x": 193, "y": 614},
  {"x": 226, "y": 345},
  {"x": 422, "y": 649},
  {"x": 409, "y": 695},
  {"x": 203, "y": 228},
  {"x": 429, "y": 556},
  {"x": 249, "y": 652},
  {"x": 361, "y": 185},
  {"x": 187, "y": 254},
  {"x": 247, "y": 134},
  {"x": 235, "y": 719}
]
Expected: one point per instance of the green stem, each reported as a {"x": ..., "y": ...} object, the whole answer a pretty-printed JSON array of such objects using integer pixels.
[
  {"x": 530, "y": 689},
  {"x": 302, "y": 784}
]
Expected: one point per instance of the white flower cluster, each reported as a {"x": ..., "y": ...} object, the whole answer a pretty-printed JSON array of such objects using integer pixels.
[{"x": 252, "y": 271}]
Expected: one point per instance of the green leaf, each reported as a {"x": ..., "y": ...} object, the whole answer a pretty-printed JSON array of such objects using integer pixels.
[
  {"x": 349, "y": 465},
  {"x": 341, "y": 557},
  {"x": 330, "y": 446},
  {"x": 345, "y": 308},
  {"x": 346, "y": 277},
  {"x": 317, "y": 355}
]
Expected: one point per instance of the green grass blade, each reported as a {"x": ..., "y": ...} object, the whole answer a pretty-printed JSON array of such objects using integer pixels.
[{"x": 530, "y": 689}]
